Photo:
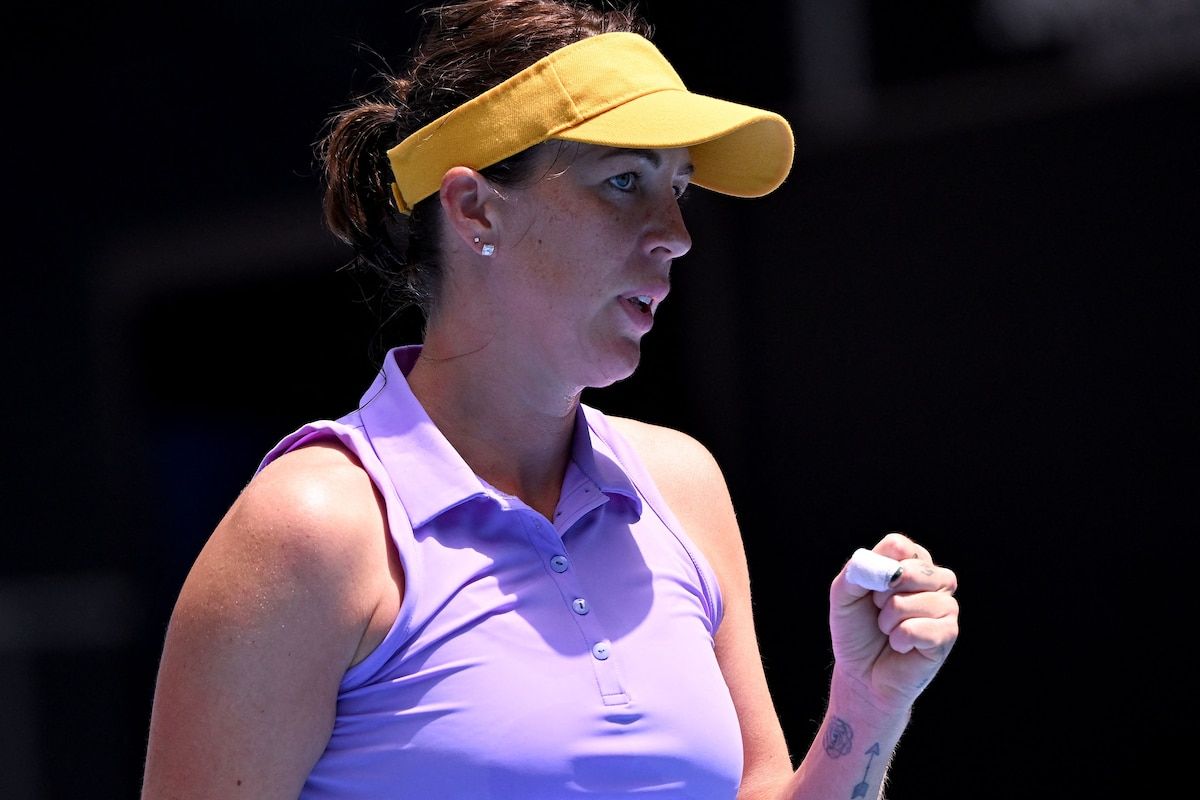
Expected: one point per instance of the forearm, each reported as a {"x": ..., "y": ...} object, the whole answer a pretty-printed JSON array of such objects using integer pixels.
[{"x": 850, "y": 754}]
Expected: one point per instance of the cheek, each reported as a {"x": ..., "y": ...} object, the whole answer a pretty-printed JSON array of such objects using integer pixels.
[
  {"x": 573, "y": 249},
  {"x": 568, "y": 245}
]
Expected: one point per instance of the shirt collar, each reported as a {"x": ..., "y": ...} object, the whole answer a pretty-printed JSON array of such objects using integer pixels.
[
  {"x": 597, "y": 459},
  {"x": 429, "y": 475}
]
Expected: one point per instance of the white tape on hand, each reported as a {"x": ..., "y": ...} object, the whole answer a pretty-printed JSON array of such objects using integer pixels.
[{"x": 871, "y": 570}]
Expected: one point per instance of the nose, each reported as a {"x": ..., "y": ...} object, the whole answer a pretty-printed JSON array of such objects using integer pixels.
[{"x": 668, "y": 234}]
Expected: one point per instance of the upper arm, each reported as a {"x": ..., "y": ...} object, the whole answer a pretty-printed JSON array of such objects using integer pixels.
[
  {"x": 270, "y": 616},
  {"x": 691, "y": 482}
]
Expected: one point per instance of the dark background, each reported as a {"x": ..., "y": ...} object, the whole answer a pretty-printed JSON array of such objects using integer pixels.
[{"x": 968, "y": 314}]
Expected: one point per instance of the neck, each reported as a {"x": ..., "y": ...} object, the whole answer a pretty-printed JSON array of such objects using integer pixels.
[{"x": 509, "y": 430}]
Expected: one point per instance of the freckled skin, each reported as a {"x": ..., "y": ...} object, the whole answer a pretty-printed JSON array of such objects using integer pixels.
[
  {"x": 300, "y": 581},
  {"x": 574, "y": 242}
]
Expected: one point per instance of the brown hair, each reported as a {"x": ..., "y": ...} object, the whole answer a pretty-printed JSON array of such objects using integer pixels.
[{"x": 465, "y": 49}]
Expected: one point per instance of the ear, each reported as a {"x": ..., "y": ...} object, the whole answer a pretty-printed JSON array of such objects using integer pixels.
[{"x": 467, "y": 206}]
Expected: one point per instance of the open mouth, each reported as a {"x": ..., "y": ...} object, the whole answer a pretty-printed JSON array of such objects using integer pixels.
[{"x": 643, "y": 303}]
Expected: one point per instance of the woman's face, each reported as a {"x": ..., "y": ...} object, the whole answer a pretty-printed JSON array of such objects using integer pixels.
[{"x": 584, "y": 258}]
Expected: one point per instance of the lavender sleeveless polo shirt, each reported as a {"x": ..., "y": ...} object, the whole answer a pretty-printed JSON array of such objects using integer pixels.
[{"x": 529, "y": 660}]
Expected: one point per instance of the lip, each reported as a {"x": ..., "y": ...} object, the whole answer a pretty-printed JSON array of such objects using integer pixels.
[
  {"x": 656, "y": 291},
  {"x": 638, "y": 314},
  {"x": 642, "y": 321}
]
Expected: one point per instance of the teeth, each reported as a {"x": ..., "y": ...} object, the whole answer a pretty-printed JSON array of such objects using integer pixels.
[{"x": 643, "y": 302}]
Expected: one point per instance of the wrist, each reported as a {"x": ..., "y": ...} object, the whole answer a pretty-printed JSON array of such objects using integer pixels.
[{"x": 850, "y": 697}]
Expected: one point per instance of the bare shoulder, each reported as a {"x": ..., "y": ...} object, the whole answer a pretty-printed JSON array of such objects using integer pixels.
[
  {"x": 312, "y": 499},
  {"x": 315, "y": 481},
  {"x": 691, "y": 481},
  {"x": 310, "y": 528},
  {"x": 305, "y": 538},
  {"x": 281, "y": 600},
  {"x": 677, "y": 461}
]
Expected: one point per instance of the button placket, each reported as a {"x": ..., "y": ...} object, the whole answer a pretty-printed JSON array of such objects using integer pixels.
[
  {"x": 582, "y": 501},
  {"x": 562, "y": 571}
]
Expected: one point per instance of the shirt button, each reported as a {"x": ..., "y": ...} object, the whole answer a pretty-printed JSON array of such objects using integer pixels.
[
  {"x": 580, "y": 605},
  {"x": 600, "y": 651},
  {"x": 559, "y": 563}
]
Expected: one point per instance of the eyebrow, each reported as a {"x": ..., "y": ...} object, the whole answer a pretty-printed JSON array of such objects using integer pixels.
[{"x": 649, "y": 155}]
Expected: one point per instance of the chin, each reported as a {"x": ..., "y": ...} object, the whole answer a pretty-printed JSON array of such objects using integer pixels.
[{"x": 615, "y": 369}]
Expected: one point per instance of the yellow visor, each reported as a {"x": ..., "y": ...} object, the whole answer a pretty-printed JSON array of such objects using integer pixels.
[{"x": 614, "y": 89}]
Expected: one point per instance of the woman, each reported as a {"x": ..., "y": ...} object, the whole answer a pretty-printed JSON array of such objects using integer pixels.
[{"x": 473, "y": 586}]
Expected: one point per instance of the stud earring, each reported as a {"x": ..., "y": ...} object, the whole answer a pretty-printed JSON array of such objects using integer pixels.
[{"x": 486, "y": 249}]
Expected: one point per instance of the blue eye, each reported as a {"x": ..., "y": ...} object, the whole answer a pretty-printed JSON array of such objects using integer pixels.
[{"x": 624, "y": 182}]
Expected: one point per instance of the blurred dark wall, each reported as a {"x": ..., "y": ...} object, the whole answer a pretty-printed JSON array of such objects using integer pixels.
[{"x": 969, "y": 315}]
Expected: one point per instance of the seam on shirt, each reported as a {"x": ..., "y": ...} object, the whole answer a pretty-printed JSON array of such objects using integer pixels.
[
  {"x": 400, "y": 631},
  {"x": 711, "y": 593}
]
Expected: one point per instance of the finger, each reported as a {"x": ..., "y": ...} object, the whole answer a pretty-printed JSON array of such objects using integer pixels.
[
  {"x": 872, "y": 570},
  {"x": 904, "y": 608},
  {"x": 931, "y": 636},
  {"x": 900, "y": 546},
  {"x": 921, "y": 576}
]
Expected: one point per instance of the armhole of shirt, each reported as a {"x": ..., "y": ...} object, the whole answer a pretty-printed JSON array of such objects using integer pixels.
[
  {"x": 652, "y": 498},
  {"x": 350, "y": 433}
]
